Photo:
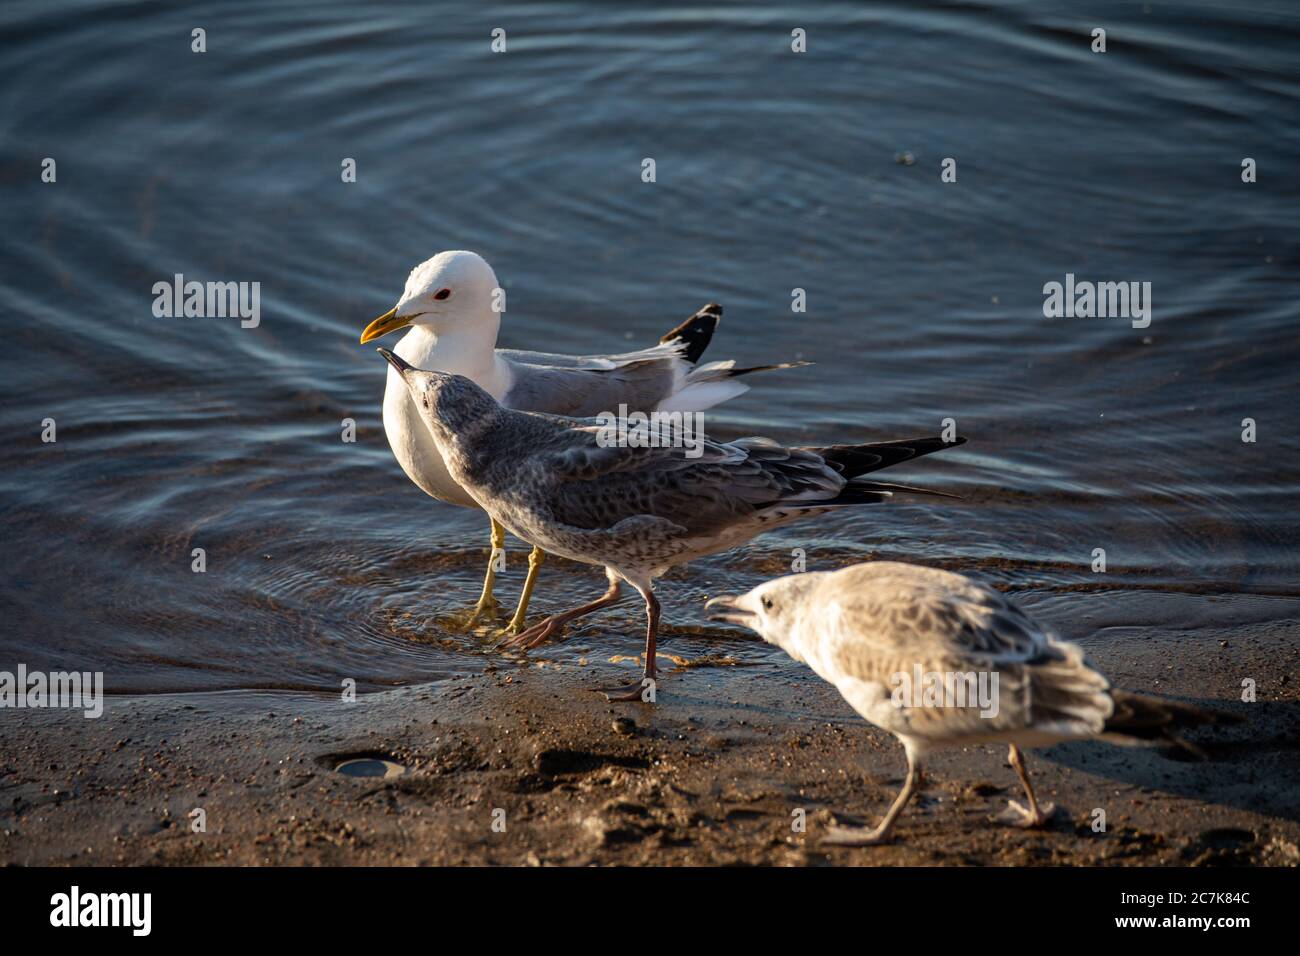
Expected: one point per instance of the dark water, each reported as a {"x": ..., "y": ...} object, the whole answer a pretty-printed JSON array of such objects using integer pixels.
[{"x": 774, "y": 171}]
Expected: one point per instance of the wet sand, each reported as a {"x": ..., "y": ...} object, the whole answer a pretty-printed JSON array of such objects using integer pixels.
[{"x": 691, "y": 780}]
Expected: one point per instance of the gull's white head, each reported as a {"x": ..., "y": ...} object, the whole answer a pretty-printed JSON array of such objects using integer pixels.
[
  {"x": 775, "y": 609},
  {"x": 454, "y": 290}
]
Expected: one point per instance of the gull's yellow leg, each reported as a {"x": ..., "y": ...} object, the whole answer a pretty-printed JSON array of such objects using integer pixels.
[
  {"x": 487, "y": 603},
  {"x": 534, "y": 565}
]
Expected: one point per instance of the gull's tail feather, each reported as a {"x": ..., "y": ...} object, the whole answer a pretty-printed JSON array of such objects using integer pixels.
[
  {"x": 1141, "y": 719},
  {"x": 712, "y": 383},
  {"x": 854, "y": 460},
  {"x": 696, "y": 333}
]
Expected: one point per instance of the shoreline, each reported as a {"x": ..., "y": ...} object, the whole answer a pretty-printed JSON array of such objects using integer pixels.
[{"x": 523, "y": 765}]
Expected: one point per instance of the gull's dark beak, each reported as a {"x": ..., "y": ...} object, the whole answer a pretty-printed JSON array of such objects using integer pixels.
[
  {"x": 396, "y": 361},
  {"x": 729, "y": 610}
]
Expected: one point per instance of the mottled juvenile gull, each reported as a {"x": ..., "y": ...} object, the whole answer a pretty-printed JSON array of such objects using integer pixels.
[
  {"x": 565, "y": 486},
  {"x": 448, "y": 303},
  {"x": 914, "y": 650}
]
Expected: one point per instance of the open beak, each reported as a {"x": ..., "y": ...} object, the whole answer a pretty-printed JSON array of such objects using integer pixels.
[
  {"x": 396, "y": 361},
  {"x": 390, "y": 321},
  {"x": 727, "y": 609}
]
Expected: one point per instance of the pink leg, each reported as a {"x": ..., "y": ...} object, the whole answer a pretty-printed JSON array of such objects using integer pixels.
[
  {"x": 552, "y": 625},
  {"x": 635, "y": 690},
  {"x": 1036, "y": 814}
]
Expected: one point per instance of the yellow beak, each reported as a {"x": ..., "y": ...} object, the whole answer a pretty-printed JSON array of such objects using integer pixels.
[{"x": 390, "y": 321}]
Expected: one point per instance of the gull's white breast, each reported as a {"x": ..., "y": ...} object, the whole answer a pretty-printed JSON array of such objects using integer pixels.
[{"x": 409, "y": 437}]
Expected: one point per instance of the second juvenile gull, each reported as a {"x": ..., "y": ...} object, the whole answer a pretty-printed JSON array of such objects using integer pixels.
[
  {"x": 870, "y": 629},
  {"x": 448, "y": 307},
  {"x": 564, "y": 486}
]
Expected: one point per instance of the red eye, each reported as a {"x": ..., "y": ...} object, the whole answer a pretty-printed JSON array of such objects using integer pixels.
[{"x": 442, "y": 294}]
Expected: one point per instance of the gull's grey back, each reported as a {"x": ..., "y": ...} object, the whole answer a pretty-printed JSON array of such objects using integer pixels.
[{"x": 583, "y": 392}]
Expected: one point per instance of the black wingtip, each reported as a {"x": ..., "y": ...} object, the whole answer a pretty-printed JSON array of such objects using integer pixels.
[
  {"x": 696, "y": 333},
  {"x": 855, "y": 460}
]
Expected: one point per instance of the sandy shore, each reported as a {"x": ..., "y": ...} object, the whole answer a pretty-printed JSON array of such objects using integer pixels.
[{"x": 698, "y": 778}]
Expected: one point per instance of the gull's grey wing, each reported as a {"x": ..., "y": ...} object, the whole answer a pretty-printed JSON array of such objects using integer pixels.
[
  {"x": 663, "y": 351},
  {"x": 583, "y": 392},
  {"x": 591, "y": 486},
  {"x": 662, "y": 376},
  {"x": 934, "y": 613},
  {"x": 890, "y": 624},
  {"x": 686, "y": 341}
]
